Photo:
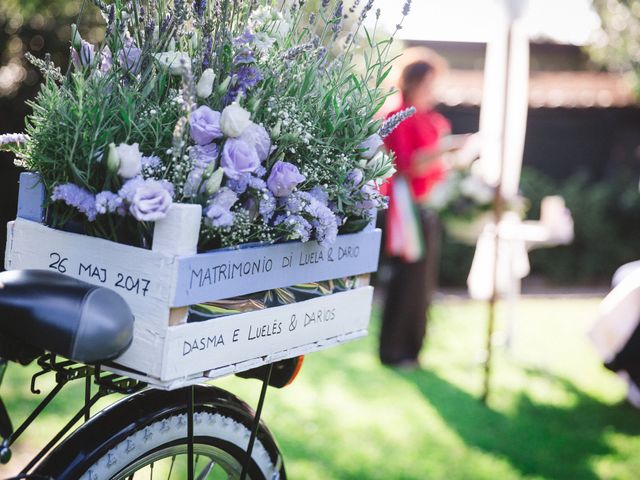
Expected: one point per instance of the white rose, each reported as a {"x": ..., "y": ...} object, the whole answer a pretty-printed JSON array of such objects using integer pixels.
[
  {"x": 234, "y": 120},
  {"x": 204, "y": 88},
  {"x": 130, "y": 160},
  {"x": 176, "y": 62}
]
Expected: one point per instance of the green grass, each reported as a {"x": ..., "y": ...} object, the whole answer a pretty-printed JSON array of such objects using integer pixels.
[{"x": 554, "y": 412}]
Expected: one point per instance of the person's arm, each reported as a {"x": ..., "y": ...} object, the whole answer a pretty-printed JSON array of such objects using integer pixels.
[{"x": 424, "y": 158}]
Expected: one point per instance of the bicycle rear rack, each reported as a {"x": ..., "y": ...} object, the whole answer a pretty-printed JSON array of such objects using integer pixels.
[{"x": 65, "y": 371}]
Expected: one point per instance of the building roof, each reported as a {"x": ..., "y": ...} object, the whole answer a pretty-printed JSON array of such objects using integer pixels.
[{"x": 547, "y": 89}]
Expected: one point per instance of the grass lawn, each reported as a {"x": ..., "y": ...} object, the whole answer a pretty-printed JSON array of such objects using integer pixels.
[{"x": 554, "y": 413}]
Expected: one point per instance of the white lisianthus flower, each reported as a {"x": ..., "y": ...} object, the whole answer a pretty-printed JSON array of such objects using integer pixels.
[
  {"x": 215, "y": 180},
  {"x": 204, "y": 88},
  {"x": 130, "y": 160},
  {"x": 113, "y": 160},
  {"x": 176, "y": 62},
  {"x": 234, "y": 120},
  {"x": 371, "y": 145}
]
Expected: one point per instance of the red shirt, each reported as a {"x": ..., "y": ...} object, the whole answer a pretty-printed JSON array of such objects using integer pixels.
[{"x": 422, "y": 131}]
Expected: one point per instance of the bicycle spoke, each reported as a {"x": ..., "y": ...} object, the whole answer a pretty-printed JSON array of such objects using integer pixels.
[{"x": 207, "y": 470}]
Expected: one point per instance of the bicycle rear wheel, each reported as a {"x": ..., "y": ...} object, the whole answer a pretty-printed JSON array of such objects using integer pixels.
[{"x": 120, "y": 443}]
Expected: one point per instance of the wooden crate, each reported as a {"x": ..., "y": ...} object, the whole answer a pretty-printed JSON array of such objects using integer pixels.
[{"x": 160, "y": 284}]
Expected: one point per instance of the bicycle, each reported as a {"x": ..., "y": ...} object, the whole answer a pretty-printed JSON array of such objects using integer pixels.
[{"x": 73, "y": 330}]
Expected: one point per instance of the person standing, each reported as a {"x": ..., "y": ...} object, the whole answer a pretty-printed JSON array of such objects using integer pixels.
[{"x": 418, "y": 147}]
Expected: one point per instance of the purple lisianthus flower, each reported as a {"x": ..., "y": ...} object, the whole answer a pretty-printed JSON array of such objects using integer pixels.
[
  {"x": 108, "y": 202},
  {"x": 257, "y": 136},
  {"x": 205, "y": 125},
  {"x": 371, "y": 146},
  {"x": 79, "y": 198},
  {"x": 85, "y": 56},
  {"x": 238, "y": 157},
  {"x": 369, "y": 198},
  {"x": 267, "y": 205},
  {"x": 284, "y": 178},
  {"x": 203, "y": 155},
  {"x": 240, "y": 184},
  {"x": 130, "y": 57},
  {"x": 218, "y": 212},
  {"x": 151, "y": 201}
]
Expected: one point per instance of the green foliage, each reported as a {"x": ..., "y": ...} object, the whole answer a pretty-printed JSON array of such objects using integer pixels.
[{"x": 607, "y": 230}]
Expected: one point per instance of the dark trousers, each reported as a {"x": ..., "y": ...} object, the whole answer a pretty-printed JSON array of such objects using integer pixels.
[{"x": 409, "y": 292}]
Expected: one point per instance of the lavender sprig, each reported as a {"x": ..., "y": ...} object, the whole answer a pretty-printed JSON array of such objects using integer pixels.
[{"x": 392, "y": 122}]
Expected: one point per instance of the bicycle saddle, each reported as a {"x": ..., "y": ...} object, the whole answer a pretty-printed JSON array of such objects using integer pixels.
[{"x": 68, "y": 317}]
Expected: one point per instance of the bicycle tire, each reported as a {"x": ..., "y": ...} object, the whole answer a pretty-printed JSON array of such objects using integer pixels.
[{"x": 151, "y": 426}]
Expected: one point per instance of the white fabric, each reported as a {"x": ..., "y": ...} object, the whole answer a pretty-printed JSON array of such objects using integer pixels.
[{"x": 618, "y": 316}]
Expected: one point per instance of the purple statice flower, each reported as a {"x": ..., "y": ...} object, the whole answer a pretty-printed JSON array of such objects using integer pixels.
[
  {"x": 203, "y": 155},
  {"x": 151, "y": 201},
  {"x": 218, "y": 211},
  {"x": 260, "y": 171},
  {"x": 299, "y": 228},
  {"x": 297, "y": 201},
  {"x": 151, "y": 162},
  {"x": 130, "y": 57},
  {"x": 240, "y": 184},
  {"x": 205, "y": 125},
  {"x": 258, "y": 136},
  {"x": 79, "y": 198},
  {"x": 268, "y": 205},
  {"x": 257, "y": 183},
  {"x": 320, "y": 194},
  {"x": 238, "y": 157},
  {"x": 324, "y": 223},
  {"x": 284, "y": 178},
  {"x": 108, "y": 202},
  {"x": 128, "y": 190}
]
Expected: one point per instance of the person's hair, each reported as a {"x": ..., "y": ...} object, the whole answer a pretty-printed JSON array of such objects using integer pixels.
[{"x": 413, "y": 75}]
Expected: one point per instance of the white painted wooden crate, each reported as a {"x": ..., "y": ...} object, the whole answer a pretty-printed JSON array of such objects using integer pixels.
[{"x": 159, "y": 285}]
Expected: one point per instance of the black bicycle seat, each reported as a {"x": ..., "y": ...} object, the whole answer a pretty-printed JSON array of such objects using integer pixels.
[{"x": 68, "y": 317}]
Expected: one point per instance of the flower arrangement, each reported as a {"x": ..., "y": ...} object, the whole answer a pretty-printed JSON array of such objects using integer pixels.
[
  {"x": 255, "y": 110},
  {"x": 465, "y": 201}
]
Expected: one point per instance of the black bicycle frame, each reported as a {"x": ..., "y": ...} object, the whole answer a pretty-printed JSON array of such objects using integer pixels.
[{"x": 108, "y": 383}]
